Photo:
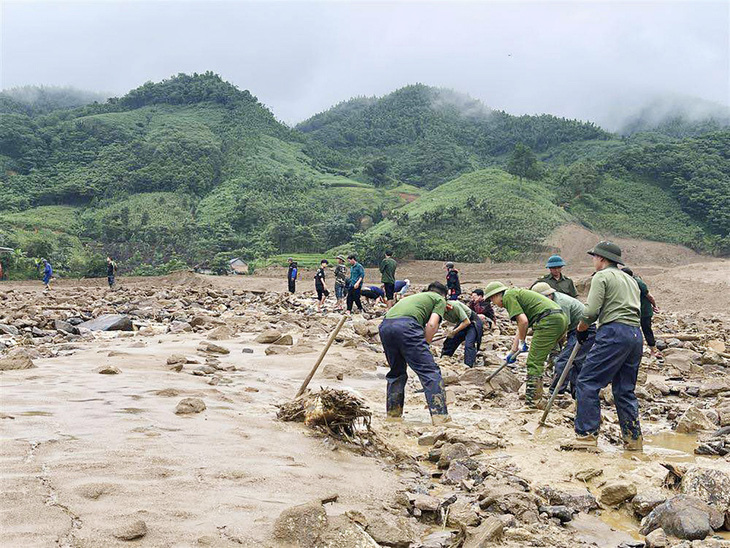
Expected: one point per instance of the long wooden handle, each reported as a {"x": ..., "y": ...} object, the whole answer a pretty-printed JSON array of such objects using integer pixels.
[
  {"x": 321, "y": 356},
  {"x": 561, "y": 380}
]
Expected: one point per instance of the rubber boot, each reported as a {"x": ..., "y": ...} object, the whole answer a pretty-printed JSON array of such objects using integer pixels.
[
  {"x": 540, "y": 401},
  {"x": 533, "y": 391},
  {"x": 631, "y": 444}
]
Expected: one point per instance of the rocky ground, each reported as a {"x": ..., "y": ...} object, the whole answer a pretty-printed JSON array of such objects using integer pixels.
[{"x": 148, "y": 415}]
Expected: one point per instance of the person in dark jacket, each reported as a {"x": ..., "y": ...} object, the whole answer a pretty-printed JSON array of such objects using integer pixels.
[
  {"x": 387, "y": 277},
  {"x": 47, "y": 274},
  {"x": 291, "y": 275},
  {"x": 482, "y": 307},
  {"x": 452, "y": 282},
  {"x": 111, "y": 272},
  {"x": 320, "y": 285},
  {"x": 648, "y": 307},
  {"x": 357, "y": 277}
]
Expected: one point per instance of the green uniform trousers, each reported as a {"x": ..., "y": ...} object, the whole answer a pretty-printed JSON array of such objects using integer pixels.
[{"x": 545, "y": 335}]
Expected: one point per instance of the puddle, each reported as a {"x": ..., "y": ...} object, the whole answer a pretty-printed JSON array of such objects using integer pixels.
[{"x": 36, "y": 414}]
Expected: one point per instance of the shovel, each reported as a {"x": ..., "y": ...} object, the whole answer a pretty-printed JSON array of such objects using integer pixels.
[
  {"x": 505, "y": 364},
  {"x": 531, "y": 428}
]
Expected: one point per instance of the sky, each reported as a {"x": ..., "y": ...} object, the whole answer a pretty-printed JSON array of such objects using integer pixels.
[{"x": 594, "y": 60}]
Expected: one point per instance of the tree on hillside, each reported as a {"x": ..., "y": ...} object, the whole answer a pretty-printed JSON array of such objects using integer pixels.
[
  {"x": 376, "y": 170},
  {"x": 578, "y": 179},
  {"x": 523, "y": 163}
]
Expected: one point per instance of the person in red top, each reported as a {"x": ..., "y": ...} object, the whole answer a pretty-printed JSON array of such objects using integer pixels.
[{"x": 482, "y": 307}]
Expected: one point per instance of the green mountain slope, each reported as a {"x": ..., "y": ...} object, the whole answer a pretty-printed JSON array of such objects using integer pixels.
[
  {"x": 430, "y": 135},
  {"x": 192, "y": 170}
]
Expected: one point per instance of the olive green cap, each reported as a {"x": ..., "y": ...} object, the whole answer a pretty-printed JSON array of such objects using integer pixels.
[
  {"x": 607, "y": 250},
  {"x": 493, "y": 288},
  {"x": 543, "y": 288}
]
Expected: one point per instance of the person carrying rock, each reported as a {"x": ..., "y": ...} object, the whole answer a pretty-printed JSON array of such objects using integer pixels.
[
  {"x": 405, "y": 333},
  {"x": 357, "y": 277},
  {"x": 452, "y": 281},
  {"x": 648, "y": 307},
  {"x": 111, "y": 272},
  {"x": 574, "y": 310},
  {"x": 47, "y": 274},
  {"x": 320, "y": 285},
  {"x": 341, "y": 276},
  {"x": 469, "y": 330},
  {"x": 614, "y": 300},
  {"x": 555, "y": 279},
  {"x": 548, "y": 323},
  {"x": 291, "y": 275},
  {"x": 387, "y": 277}
]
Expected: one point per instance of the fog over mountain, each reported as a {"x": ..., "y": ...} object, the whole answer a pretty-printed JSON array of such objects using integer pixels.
[{"x": 602, "y": 61}]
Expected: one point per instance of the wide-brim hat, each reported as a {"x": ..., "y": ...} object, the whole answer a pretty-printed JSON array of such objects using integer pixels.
[
  {"x": 555, "y": 261},
  {"x": 543, "y": 288},
  {"x": 493, "y": 288},
  {"x": 340, "y": 257},
  {"x": 607, "y": 250}
]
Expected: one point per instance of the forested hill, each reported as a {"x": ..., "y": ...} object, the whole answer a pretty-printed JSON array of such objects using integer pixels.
[
  {"x": 194, "y": 171},
  {"x": 429, "y": 135}
]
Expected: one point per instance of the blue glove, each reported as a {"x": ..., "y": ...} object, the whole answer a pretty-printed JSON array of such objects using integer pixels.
[
  {"x": 524, "y": 348},
  {"x": 511, "y": 358}
]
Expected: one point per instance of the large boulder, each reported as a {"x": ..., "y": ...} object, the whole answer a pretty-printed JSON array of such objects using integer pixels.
[
  {"x": 451, "y": 452},
  {"x": 189, "y": 406},
  {"x": 221, "y": 333},
  {"x": 685, "y": 517},
  {"x": 65, "y": 327},
  {"x": 506, "y": 382},
  {"x": 108, "y": 322},
  {"x": 709, "y": 485},
  {"x": 16, "y": 361},
  {"x": 578, "y": 500},
  {"x": 694, "y": 420},
  {"x": 486, "y": 535},
  {"x": 681, "y": 358},
  {"x": 646, "y": 501},
  {"x": 341, "y": 532},
  {"x": 390, "y": 530},
  {"x": 616, "y": 492},
  {"x": 268, "y": 336},
  {"x": 301, "y": 525}
]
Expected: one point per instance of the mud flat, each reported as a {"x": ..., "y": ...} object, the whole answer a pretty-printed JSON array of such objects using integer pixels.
[{"x": 166, "y": 435}]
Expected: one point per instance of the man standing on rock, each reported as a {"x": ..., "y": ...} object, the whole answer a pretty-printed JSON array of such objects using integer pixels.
[
  {"x": 548, "y": 323},
  {"x": 405, "y": 333},
  {"x": 556, "y": 280},
  {"x": 291, "y": 275},
  {"x": 357, "y": 277},
  {"x": 452, "y": 281},
  {"x": 111, "y": 272},
  {"x": 387, "y": 277},
  {"x": 340, "y": 282},
  {"x": 47, "y": 274},
  {"x": 648, "y": 307},
  {"x": 574, "y": 310},
  {"x": 469, "y": 330},
  {"x": 614, "y": 300}
]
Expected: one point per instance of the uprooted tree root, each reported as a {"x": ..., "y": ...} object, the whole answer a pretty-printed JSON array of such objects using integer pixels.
[{"x": 342, "y": 416}]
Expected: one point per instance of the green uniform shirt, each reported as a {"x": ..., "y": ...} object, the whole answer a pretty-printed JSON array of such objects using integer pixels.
[
  {"x": 419, "y": 307},
  {"x": 614, "y": 297},
  {"x": 387, "y": 270},
  {"x": 647, "y": 311},
  {"x": 458, "y": 313},
  {"x": 564, "y": 284},
  {"x": 523, "y": 301},
  {"x": 574, "y": 309}
]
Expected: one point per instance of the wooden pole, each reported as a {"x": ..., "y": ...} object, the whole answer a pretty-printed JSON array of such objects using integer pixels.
[
  {"x": 561, "y": 380},
  {"x": 321, "y": 356}
]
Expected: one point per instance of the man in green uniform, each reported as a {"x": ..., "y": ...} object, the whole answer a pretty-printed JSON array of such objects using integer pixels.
[
  {"x": 555, "y": 279},
  {"x": 614, "y": 301},
  {"x": 405, "y": 333},
  {"x": 469, "y": 330},
  {"x": 548, "y": 323},
  {"x": 387, "y": 277},
  {"x": 648, "y": 307}
]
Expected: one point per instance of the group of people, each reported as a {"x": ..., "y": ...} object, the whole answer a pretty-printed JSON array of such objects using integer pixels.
[
  {"x": 608, "y": 329},
  {"x": 46, "y": 270},
  {"x": 349, "y": 283}
]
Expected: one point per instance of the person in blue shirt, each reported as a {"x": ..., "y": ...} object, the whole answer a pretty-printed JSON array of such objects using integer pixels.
[
  {"x": 373, "y": 293},
  {"x": 47, "y": 274},
  {"x": 357, "y": 277},
  {"x": 402, "y": 287}
]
